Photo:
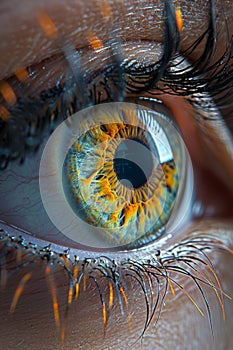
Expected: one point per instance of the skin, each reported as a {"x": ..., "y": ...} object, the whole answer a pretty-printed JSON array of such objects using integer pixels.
[{"x": 181, "y": 326}]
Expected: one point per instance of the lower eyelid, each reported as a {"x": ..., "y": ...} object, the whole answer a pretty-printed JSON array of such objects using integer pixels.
[
  {"x": 94, "y": 304},
  {"x": 216, "y": 228},
  {"x": 35, "y": 292}
]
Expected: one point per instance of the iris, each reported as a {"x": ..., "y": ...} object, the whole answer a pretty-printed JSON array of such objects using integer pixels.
[{"x": 122, "y": 174}]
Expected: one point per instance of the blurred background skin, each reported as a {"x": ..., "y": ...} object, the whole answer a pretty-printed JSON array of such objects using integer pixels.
[{"x": 180, "y": 326}]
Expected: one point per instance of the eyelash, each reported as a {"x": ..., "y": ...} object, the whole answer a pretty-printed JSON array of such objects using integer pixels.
[
  {"x": 191, "y": 81},
  {"x": 188, "y": 258},
  {"x": 182, "y": 258}
]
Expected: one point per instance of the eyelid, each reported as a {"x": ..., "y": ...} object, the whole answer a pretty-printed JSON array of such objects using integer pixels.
[
  {"x": 29, "y": 48},
  {"x": 65, "y": 17},
  {"x": 54, "y": 69},
  {"x": 225, "y": 147},
  {"x": 137, "y": 255}
]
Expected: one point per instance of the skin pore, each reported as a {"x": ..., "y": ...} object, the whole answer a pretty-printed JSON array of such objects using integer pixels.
[{"x": 180, "y": 325}]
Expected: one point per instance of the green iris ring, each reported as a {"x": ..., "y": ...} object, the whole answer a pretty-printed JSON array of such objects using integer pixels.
[{"x": 124, "y": 214}]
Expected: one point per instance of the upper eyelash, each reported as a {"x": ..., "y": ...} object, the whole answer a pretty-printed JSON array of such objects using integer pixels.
[
  {"x": 189, "y": 258},
  {"x": 203, "y": 76}
]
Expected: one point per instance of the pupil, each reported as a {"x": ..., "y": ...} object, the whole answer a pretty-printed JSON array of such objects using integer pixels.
[{"x": 133, "y": 163}]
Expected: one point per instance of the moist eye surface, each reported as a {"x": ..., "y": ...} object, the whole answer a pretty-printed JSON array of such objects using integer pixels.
[{"x": 121, "y": 172}]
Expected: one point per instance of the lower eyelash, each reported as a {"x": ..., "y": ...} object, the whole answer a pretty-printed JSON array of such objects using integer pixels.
[{"x": 156, "y": 276}]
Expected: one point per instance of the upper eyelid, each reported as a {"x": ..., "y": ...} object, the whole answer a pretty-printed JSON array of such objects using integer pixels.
[
  {"x": 21, "y": 39},
  {"x": 149, "y": 64}
]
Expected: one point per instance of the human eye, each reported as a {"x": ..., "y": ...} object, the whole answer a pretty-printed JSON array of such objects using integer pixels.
[{"x": 173, "y": 291}]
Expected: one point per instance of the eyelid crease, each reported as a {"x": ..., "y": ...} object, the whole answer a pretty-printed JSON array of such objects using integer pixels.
[{"x": 210, "y": 135}]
